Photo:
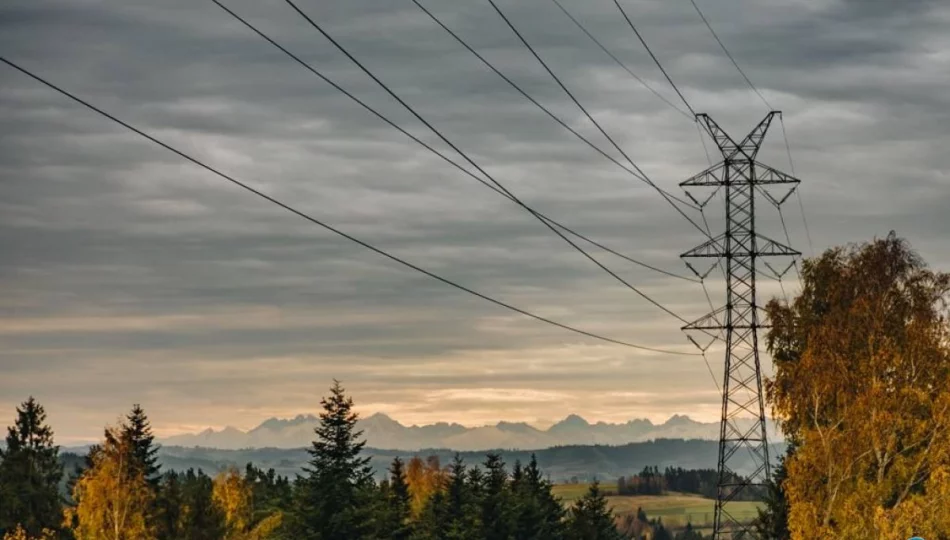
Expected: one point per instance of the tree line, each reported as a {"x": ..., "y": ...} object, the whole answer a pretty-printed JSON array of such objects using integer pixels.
[
  {"x": 119, "y": 492},
  {"x": 652, "y": 481}
]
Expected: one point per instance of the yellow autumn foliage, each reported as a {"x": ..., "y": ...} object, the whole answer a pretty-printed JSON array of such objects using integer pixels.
[
  {"x": 112, "y": 497},
  {"x": 862, "y": 389},
  {"x": 19, "y": 533},
  {"x": 232, "y": 495}
]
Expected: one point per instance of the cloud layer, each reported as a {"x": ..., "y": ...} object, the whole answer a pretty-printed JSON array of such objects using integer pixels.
[{"x": 130, "y": 275}]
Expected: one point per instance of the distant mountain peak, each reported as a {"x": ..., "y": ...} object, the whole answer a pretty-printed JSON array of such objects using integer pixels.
[
  {"x": 571, "y": 421},
  {"x": 379, "y": 417},
  {"x": 280, "y": 423},
  {"x": 515, "y": 427},
  {"x": 680, "y": 420}
]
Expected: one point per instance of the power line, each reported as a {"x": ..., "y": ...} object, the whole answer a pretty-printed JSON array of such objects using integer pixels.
[
  {"x": 473, "y": 163},
  {"x": 430, "y": 148},
  {"x": 725, "y": 50},
  {"x": 322, "y": 224},
  {"x": 618, "y": 61},
  {"x": 588, "y": 115},
  {"x": 527, "y": 96},
  {"x": 653, "y": 56},
  {"x": 798, "y": 195}
]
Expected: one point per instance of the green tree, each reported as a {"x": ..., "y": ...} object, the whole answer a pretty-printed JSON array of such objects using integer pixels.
[
  {"x": 538, "y": 513},
  {"x": 590, "y": 518},
  {"x": 772, "y": 520},
  {"x": 169, "y": 507},
  {"x": 496, "y": 510},
  {"x": 334, "y": 500},
  {"x": 201, "y": 519},
  {"x": 462, "y": 512},
  {"x": 139, "y": 431},
  {"x": 29, "y": 474},
  {"x": 399, "y": 502}
]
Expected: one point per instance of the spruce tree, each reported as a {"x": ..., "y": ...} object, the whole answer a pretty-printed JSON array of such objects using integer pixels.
[
  {"x": 462, "y": 512},
  {"x": 398, "y": 502},
  {"x": 30, "y": 473},
  {"x": 496, "y": 509},
  {"x": 335, "y": 498},
  {"x": 169, "y": 507},
  {"x": 539, "y": 514},
  {"x": 591, "y": 519},
  {"x": 772, "y": 520},
  {"x": 139, "y": 432},
  {"x": 136, "y": 435},
  {"x": 201, "y": 519}
]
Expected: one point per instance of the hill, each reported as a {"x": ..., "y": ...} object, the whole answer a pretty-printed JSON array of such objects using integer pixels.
[{"x": 580, "y": 463}]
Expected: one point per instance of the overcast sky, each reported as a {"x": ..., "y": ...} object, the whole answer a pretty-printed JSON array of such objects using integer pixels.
[{"x": 129, "y": 275}]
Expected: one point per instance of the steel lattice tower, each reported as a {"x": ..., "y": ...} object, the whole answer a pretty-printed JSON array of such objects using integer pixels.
[{"x": 740, "y": 176}]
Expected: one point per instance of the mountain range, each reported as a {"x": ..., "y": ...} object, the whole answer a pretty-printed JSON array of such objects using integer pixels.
[{"x": 381, "y": 431}]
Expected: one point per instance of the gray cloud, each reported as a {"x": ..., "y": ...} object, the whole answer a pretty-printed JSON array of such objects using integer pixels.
[{"x": 130, "y": 275}]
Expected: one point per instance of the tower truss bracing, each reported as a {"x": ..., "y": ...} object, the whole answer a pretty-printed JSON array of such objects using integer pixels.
[{"x": 739, "y": 247}]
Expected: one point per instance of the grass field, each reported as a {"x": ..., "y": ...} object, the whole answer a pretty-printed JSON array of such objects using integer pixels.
[{"x": 676, "y": 509}]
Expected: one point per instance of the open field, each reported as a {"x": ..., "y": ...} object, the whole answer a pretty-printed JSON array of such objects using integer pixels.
[{"x": 676, "y": 509}]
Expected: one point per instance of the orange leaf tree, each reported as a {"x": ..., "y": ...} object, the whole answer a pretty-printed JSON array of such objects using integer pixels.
[{"x": 862, "y": 390}]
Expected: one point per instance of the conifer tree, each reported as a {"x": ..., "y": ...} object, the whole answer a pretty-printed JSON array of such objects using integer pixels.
[
  {"x": 396, "y": 524},
  {"x": 772, "y": 520},
  {"x": 496, "y": 510},
  {"x": 30, "y": 473},
  {"x": 201, "y": 518},
  {"x": 539, "y": 514},
  {"x": 591, "y": 519},
  {"x": 169, "y": 507},
  {"x": 334, "y": 499},
  {"x": 139, "y": 431},
  {"x": 462, "y": 513}
]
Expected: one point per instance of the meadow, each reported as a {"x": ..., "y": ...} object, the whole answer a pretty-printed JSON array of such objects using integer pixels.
[{"x": 675, "y": 509}]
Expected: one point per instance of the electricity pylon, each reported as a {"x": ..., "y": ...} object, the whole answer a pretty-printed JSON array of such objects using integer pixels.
[{"x": 740, "y": 176}]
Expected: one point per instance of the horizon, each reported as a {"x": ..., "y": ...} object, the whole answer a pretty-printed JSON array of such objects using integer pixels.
[{"x": 164, "y": 433}]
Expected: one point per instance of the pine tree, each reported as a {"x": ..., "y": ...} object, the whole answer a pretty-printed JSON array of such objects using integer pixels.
[
  {"x": 462, "y": 513},
  {"x": 139, "y": 431},
  {"x": 334, "y": 500},
  {"x": 201, "y": 518},
  {"x": 169, "y": 507},
  {"x": 591, "y": 519},
  {"x": 772, "y": 521},
  {"x": 395, "y": 521},
  {"x": 538, "y": 513},
  {"x": 496, "y": 509},
  {"x": 30, "y": 473}
]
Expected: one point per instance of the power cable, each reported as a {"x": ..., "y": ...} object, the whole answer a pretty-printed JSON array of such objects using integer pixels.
[
  {"x": 430, "y": 148},
  {"x": 728, "y": 54},
  {"x": 589, "y": 116},
  {"x": 527, "y": 96},
  {"x": 653, "y": 56},
  {"x": 322, "y": 224},
  {"x": 798, "y": 195},
  {"x": 619, "y": 62},
  {"x": 465, "y": 156}
]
